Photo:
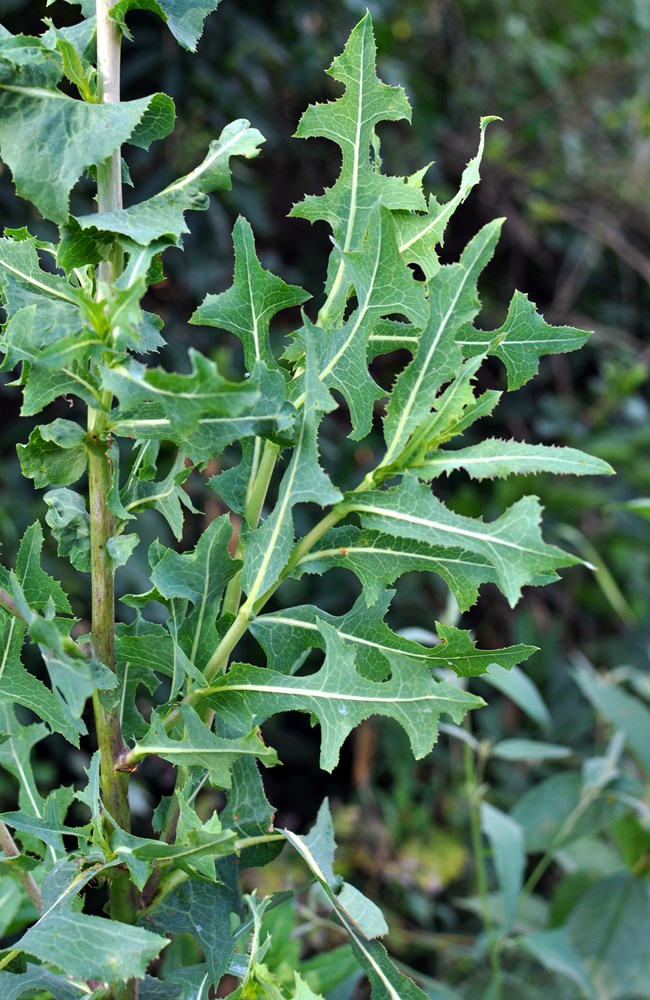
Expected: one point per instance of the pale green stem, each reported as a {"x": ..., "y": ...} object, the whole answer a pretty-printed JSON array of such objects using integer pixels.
[
  {"x": 9, "y": 957},
  {"x": 123, "y": 896},
  {"x": 258, "y": 488}
]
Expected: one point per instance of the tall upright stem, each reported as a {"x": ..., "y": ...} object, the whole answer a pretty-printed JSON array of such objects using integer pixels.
[{"x": 123, "y": 898}]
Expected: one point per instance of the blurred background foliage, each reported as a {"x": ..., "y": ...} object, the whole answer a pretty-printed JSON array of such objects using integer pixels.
[{"x": 569, "y": 168}]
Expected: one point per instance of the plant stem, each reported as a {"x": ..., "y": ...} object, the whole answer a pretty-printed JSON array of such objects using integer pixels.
[
  {"x": 123, "y": 896},
  {"x": 8, "y": 845},
  {"x": 547, "y": 858},
  {"x": 258, "y": 488},
  {"x": 473, "y": 791}
]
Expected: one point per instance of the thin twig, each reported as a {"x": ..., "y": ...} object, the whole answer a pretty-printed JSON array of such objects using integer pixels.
[{"x": 8, "y": 845}]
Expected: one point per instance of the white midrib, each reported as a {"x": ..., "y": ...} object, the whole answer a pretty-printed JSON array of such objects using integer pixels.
[
  {"x": 445, "y": 457},
  {"x": 335, "y": 696},
  {"x": 165, "y": 422},
  {"x": 355, "y": 178},
  {"x": 412, "y": 519},
  {"x": 172, "y": 751},
  {"x": 37, "y": 284},
  {"x": 424, "y": 368},
  {"x": 39, "y": 92},
  {"x": 281, "y": 620},
  {"x": 506, "y": 343},
  {"x": 445, "y": 210},
  {"x": 5, "y": 655},
  {"x": 357, "y": 150},
  {"x": 125, "y": 374},
  {"x": 25, "y": 784},
  {"x": 400, "y": 553},
  {"x": 207, "y": 163},
  {"x": 255, "y": 330},
  {"x": 357, "y": 323},
  {"x": 302, "y": 849}
]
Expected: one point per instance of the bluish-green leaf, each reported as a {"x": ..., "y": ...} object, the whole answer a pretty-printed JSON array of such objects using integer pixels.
[
  {"x": 522, "y": 340},
  {"x": 184, "y": 18},
  {"x": 495, "y": 459},
  {"x": 512, "y": 544},
  {"x": 201, "y": 748},
  {"x": 67, "y": 136},
  {"x": 248, "y": 307},
  {"x": 162, "y": 217},
  {"x": 340, "y": 698}
]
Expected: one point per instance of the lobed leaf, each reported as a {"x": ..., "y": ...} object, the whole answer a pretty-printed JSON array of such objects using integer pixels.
[
  {"x": 350, "y": 122},
  {"x": 523, "y": 339},
  {"x": 512, "y": 545},
  {"x": 495, "y": 459},
  {"x": 378, "y": 559},
  {"x": 67, "y": 136},
  {"x": 419, "y": 236},
  {"x": 453, "y": 305},
  {"x": 184, "y": 18},
  {"x": 287, "y": 635},
  {"x": 255, "y": 297},
  {"x": 201, "y": 748},
  {"x": 340, "y": 698},
  {"x": 162, "y": 217}
]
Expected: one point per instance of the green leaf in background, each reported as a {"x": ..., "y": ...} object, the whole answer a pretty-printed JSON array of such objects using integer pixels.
[
  {"x": 529, "y": 750},
  {"x": 553, "y": 949},
  {"x": 255, "y": 297},
  {"x": 522, "y": 340},
  {"x": 607, "y": 929},
  {"x": 340, "y": 698},
  {"x": 520, "y": 689},
  {"x": 556, "y": 811},
  {"x": 494, "y": 459},
  {"x": 506, "y": 840},
  {"x": 184, "y": 18},
  {"x": 622, "y": 710},
  {"x": 512, "y": 545}
]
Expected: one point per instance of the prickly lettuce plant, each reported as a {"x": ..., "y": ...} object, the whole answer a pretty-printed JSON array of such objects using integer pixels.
[{"x": 142, "y": 685}]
